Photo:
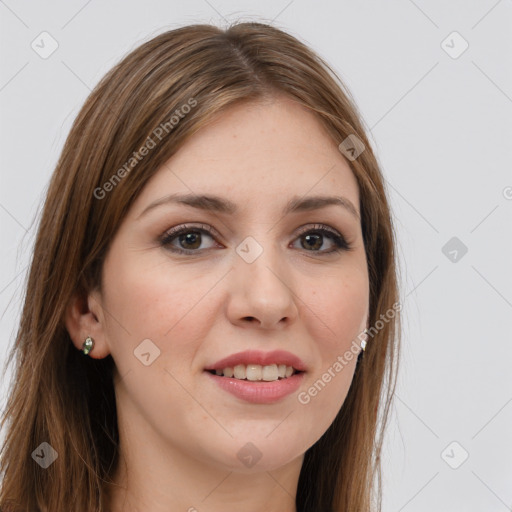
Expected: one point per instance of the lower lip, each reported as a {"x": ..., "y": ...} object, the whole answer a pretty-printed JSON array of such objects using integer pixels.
[{"x": 259, "y": 392}]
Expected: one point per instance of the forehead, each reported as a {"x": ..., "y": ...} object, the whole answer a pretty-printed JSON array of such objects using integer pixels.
[{"x": 257, "y": 154}]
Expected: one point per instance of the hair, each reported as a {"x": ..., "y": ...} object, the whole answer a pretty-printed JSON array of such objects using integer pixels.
[{"x": 59, "y": 396}]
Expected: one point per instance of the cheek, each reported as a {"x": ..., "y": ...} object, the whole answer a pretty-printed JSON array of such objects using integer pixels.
[
  {"x": 335, "y": 316},
  {"x": 337, "y": 313},
  {"x": 153, "y": 303}
]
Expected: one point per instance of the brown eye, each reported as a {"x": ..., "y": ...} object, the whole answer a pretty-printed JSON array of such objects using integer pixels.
[
  {"x": 191, "y": 239},
  {"x": 188, "y": 239},
  {"x": 312, "y": 240},
  {"x": 185, "y": 239}
]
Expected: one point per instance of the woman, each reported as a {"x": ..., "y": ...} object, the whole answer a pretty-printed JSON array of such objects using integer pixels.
[{"x": 214, "y": 253}]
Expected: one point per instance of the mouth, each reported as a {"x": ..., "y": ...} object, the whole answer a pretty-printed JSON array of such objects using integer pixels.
[
  {"x": 257, "y": 372},
  {"x": 257, "y": 384},
  {"x": 258, "y": 377}
]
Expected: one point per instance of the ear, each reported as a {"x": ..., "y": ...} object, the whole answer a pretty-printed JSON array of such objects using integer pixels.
[{"x": 84, "y": 317}]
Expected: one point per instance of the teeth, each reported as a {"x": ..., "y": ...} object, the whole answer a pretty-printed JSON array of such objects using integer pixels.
[
  {"x": 270, "y": 373},
  {"x": 256, "y": 372},
  {"x": 239, "y": 371},
  {"x": 253, "y": 372}
]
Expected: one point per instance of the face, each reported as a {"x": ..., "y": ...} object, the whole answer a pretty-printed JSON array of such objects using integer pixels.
[{"x": 185, "y": 287}]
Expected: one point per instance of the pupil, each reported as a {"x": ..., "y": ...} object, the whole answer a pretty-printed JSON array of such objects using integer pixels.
[
  {"x": 318, "y": 243},
  {"x": 191, "y": 238}
]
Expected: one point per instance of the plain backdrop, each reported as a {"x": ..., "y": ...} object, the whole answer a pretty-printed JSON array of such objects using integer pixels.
[{"x": 433, "y": 83}]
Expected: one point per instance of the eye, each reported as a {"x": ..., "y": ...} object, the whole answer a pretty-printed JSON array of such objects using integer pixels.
[
  {"x": 313, "y": 238},
  {"x": 188, "y": 239}
]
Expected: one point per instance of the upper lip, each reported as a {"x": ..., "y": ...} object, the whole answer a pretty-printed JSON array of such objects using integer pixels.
[{"x": 261, "y": 358}]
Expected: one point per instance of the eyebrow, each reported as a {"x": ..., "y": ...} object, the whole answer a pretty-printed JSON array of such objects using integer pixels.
[{"x": 222, "y": 205}]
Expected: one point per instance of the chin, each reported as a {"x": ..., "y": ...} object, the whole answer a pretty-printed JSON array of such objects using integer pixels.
[{"x": 250, "y": 458}]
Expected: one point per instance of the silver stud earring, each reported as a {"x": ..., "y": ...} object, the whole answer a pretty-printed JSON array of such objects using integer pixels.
[
  {"x": 363, "y": 342},
  {"x": 88, "y": 345}
]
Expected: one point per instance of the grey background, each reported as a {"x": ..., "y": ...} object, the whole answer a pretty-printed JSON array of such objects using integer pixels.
[{"x": 441, "y": 127}]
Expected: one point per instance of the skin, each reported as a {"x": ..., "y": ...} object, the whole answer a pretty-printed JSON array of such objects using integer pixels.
[{"x": 180, "y": 433}]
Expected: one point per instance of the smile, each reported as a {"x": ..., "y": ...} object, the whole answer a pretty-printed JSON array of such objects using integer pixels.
[{"x": 257, "y": 372}]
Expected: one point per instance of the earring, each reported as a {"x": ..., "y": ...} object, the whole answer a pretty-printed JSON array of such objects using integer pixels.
[
  {"x": 88, "y": 345},
  {"x": 363, "y": 342}
]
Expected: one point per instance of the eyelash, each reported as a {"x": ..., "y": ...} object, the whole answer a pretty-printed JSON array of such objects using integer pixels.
[{"x": 340, "y": 243}]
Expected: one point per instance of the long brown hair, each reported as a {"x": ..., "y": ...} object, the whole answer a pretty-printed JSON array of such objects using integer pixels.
[{"x": 67, "y": 400}]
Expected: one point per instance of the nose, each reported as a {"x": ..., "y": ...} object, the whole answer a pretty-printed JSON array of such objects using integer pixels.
[{"x": 261, "y": 291}]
